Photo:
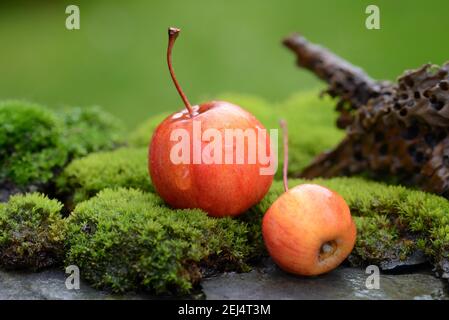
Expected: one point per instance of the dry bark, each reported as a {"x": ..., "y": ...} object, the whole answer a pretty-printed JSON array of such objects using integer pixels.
[{"x": 393, "y": 129}]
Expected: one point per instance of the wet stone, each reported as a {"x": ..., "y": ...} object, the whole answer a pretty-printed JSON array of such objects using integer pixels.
[
  {"x": 264, "y": 282},
  {"x": 270, "y": 282}
]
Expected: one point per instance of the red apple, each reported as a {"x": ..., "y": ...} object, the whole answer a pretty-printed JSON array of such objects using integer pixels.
[
  {"x": 308, "y": 230},
  {"x": 219, "y": 188}
]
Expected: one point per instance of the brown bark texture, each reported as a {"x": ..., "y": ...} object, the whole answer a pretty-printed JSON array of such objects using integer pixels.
[{"x": 394, "y": 130}]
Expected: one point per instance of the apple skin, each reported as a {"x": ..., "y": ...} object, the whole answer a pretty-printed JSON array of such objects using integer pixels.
[
  {"x": 219, "y": 189},
  {"x": 300, "y": 222}
]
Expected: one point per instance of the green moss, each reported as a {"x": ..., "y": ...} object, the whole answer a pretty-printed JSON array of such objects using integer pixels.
[
  {"x": 382, "y": 242},
  {"x": 31, "y": 232},
  {"x": 36, "y": 143},
  {"x": 141, "y": 136},
  {"x": 89, "y": 130},
  {"x": 125, "y": 240},
  {"x": 31, "y": 148},
  {"x": 312, "y": 130},
  {"x": 393, "y": 222},
  {"x": 125, "y": 167},
  {"x": 253, "y": 221}
]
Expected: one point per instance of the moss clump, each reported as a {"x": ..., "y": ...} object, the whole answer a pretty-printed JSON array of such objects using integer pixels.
[
  {"x": 36, "y": 143},
  {"x": 393, "y": 222},
  {"x": 31, "y": 148},
  {"x": 125, "y": 239},
  {"x": 31, "y": 232},
  {"x": 312, "y": 130},
  {"x": 89, "y": 130},
  {"x": 125, "y": 167},
  {"x": 382, "y": 242}
]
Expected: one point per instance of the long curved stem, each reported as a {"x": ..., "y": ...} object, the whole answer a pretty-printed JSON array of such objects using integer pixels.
[
  {"x": 172, "y": 35},
  {"x": 283, "y": 125}
]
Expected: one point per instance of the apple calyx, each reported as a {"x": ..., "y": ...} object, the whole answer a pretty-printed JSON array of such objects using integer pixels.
[
  {"x": 327, "y": 250},
  {"x": 172, "y": 36}
]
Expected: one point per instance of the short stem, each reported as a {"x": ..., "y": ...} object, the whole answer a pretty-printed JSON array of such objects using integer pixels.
[
  {"x": 172, "y": 35},
  {"x": 283, "y": 125}
]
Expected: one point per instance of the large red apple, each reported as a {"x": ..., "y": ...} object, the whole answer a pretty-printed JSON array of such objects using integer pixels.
[
  {"x": 219, "y": 188},
  {"x": 308, "y": 230}
]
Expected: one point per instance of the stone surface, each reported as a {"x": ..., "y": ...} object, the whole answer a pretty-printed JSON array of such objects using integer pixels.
[
  {"x": 270, "y": 282},
  {"x": 265, "y": 282},
  {"x": 49, "y": 285}
]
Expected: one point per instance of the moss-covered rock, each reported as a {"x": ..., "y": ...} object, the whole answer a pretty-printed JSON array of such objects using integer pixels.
[
  {"x": 125, "y": 167},
  {"x": 89, "y": 130},
  {"x": 393, "y": 222},
  {"x": 384, "y": 243},
  {"x": 36, "y": 143},
  {"x": 125, "y": 240},
  {"x": 31, "y": 232},
  {"x": 129, "y": 240},
  {"x": 31, "y": 144}
]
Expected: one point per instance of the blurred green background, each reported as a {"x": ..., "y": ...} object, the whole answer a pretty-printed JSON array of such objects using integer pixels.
[{"x": 117, "y": 59}]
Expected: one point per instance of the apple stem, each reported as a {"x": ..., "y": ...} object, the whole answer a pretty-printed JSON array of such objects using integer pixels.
[
  {"x": 172, "y": 35},
  {"x": 283, "y": 125}
]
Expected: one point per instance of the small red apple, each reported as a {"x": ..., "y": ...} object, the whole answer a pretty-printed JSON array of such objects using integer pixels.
[
  {"x": 308, "y": 230},
  {"x": 219, "y": 188}
]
